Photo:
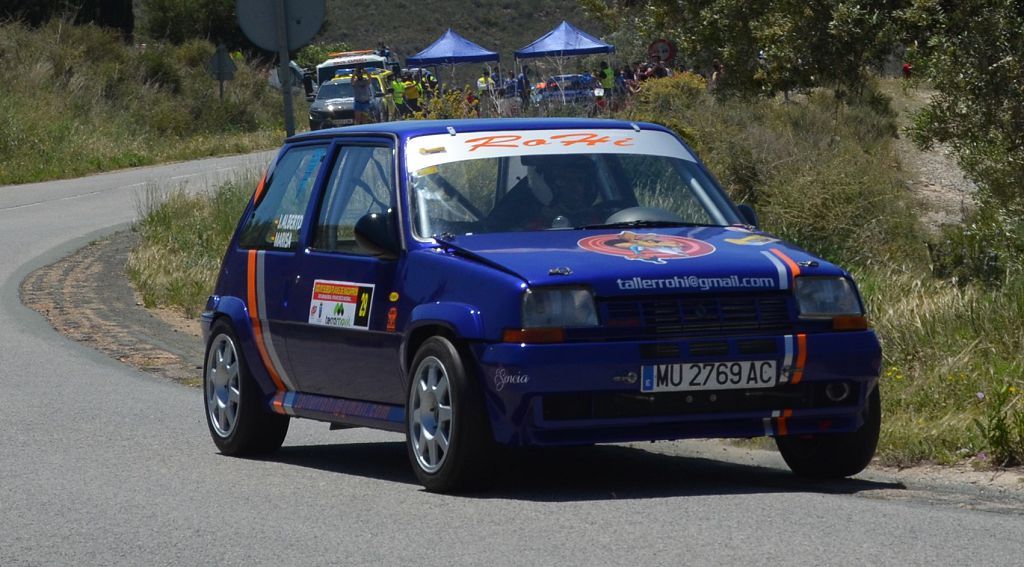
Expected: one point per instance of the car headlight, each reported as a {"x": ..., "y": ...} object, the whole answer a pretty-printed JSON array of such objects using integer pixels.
[
  {"x": 559, "y": 307},
  {"x": 826, "y": 297}
]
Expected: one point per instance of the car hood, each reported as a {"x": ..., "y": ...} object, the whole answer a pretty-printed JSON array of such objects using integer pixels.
[
  {"x": 645, "y": 261},
  {"x": 336, "y": 102}
]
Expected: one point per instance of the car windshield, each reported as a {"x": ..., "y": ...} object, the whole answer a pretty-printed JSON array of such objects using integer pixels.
[
  {"x": 334, "y": 90},
  {"x": 570, "y": 81},
  {"x": 526, "y": 190}
]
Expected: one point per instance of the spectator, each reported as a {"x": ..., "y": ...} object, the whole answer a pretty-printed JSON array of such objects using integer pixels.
[
  {"x": 362, "y": 95},
  {"x": 523, "y": 87},
  {"x": 472, "y": 101},
  {"x": 717, "y": 73},
  {"x": 412, "y": 93},
  {"x": 907, "y": 69},
  {"x": 485, "y": 84},
  {"x": 397, "y": 89},
  {"x": 510, "y": 85}
]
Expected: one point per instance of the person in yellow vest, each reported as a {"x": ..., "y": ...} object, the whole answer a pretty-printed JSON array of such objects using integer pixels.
[
  {"x": 485, "y": 84},
  {"x": 398, "y": 95},
  {"x": 607, "y": 77},
  {"x": 485, "y": 92},
  {"x": 411, "y": 93}
]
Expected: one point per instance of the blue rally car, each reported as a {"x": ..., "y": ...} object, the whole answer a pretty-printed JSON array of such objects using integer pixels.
[{"x": 483, "y": 284}]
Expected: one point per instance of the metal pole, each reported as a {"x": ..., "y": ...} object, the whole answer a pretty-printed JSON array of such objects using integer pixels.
[{"x": 283, "y": 71}]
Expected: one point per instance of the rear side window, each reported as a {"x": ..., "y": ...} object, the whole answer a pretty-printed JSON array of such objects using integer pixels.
[{"x": 280, "y": 215}]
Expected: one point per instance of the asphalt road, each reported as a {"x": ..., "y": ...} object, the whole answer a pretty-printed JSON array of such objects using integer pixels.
[{"x": 102, "y": 464}]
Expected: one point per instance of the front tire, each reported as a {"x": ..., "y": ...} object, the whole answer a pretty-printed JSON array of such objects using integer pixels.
[
  {"x": 448, "y": 435},
  {"x": 836, "y": 455},
  {"x": 236, "y": 414}
]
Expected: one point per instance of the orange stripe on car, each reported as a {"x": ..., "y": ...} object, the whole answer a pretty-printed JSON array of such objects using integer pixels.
[
  {"x": 801, "y": 358},
  {"x": 793, "y": 267},
  {"x": 782, "y": 428},
  {"x": 254, "y": 316},
  {"x": 259, "y": 190}
]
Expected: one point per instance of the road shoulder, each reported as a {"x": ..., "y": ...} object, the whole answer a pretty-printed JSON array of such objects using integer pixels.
[{"x": 87, "y": 297}]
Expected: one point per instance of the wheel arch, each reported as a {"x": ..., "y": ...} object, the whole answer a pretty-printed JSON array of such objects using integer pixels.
[
  {"x": 458, "y": 322},
  {"x": 234, "y": 311}
]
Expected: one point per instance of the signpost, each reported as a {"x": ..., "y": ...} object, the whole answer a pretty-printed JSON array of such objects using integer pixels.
[
  {"x": 661, "y": 50},
  {"x": 282, "y": 27},
  {"x": 222, "y": 67}
]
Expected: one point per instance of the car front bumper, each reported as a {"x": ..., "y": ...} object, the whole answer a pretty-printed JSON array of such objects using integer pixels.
[{"x": 581, "y": 393}]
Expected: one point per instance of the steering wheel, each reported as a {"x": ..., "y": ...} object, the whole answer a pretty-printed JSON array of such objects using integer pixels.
[
  {"x": 637, "y": 214},
  {"x": 609, "y": 208}
]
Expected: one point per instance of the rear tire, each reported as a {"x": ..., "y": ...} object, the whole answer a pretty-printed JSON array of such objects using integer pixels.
[
  {"x": 236, "y": 413},
  {"x": 836, "y": 455},
  {"x": 448, "y": 435}
]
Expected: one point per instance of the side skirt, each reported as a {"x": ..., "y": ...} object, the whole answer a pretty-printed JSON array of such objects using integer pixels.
[{"x": 340, "y": 410}]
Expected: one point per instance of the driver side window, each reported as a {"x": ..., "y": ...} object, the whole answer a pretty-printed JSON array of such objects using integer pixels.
[{"x": 361, "y": 182}]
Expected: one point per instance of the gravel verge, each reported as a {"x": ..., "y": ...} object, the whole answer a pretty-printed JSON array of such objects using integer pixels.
[{"x": 88, "y": 298}]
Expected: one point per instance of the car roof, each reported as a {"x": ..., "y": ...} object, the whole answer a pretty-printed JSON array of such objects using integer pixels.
[
  {"x": 354, "y": 59},
  {"x": 412, "y": 128}
]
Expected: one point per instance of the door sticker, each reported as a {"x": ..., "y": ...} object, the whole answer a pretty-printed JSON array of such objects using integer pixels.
[{"x": 341, "y": 304}]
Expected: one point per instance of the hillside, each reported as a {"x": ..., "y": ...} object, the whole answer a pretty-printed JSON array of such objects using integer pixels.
[{"x": 408, "y": 26}]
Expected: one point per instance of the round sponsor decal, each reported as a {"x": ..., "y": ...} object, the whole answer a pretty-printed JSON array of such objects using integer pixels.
[{"x": 653, "y": 248}]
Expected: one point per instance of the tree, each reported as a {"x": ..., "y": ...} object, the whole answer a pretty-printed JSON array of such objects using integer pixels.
[
  {"x": 974, "y": 53},
  {"x": 178, "y": 21},
  {"x": 770, "y": 46},
  {"x": 115, "y": 14}
]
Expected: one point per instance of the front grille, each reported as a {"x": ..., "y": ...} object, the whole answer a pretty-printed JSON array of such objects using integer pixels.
[{"x": 698, "y": 315}]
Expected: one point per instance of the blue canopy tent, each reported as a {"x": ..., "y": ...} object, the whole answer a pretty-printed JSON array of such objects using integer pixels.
[
  {"x": 564, "y": 40},
  {"x": 449, "y": 49}
]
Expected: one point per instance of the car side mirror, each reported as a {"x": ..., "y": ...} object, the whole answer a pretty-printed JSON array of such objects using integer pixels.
[
  {"x": 748, "y": 214},
  {"x": 377, "y": 234}
]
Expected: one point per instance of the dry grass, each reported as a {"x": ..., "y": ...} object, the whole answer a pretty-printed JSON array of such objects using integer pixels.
[{"x": 77, "y": 101}]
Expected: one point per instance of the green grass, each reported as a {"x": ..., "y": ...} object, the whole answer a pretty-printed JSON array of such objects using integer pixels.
[
  {"x": 77, "y": 101},
  {"x": 184, "y": 236}
]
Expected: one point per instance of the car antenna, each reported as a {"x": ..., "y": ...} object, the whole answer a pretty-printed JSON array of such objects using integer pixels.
[{"x": 451, "y": 130}]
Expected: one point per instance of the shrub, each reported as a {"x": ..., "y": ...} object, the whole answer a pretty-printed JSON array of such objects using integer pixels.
[
  {"x": 159, "y": 70},
  {"x": 81, "y": 101},
  {"x": 1002, "y": 425},
  {"x": 451, "y": 104},
  {"x": 668, "y": 101},
  {"x": 988, "y": 248}
]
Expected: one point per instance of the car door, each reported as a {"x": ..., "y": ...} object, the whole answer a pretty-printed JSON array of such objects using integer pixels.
[
  {"x": 270, "y": 241},
  {"x": 340, "y": 343}
]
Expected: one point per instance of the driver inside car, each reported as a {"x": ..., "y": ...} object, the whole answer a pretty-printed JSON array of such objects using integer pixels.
[{"x": 558, "y": 192}]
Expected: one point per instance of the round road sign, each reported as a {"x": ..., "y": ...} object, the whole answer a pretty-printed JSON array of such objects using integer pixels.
[
  {"x": 258, "y": 19},
  {"x": 661, "y": 50}
]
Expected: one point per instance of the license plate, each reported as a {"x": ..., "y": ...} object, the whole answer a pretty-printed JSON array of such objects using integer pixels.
[{"x": 690, "y": 376}]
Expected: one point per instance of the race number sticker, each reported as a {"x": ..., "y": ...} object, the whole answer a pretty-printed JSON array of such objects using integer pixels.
[{"x": 341, "y": 304}]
